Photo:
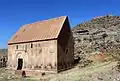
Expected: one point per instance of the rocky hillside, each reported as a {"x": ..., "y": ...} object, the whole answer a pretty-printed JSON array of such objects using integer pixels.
[{"x": 98, "y": 35}]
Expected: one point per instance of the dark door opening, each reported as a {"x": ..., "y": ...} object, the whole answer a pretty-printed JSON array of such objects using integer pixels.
[{"x": 20, "y": 64}]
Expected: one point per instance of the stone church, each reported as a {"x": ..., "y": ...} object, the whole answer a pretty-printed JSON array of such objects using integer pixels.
[{"x": 45, "y": 46}]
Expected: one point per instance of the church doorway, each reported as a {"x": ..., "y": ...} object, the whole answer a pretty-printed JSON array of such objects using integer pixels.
[{"x": 20, "y": 64}]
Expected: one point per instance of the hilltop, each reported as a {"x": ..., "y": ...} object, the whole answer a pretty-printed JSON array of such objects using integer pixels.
[{"x": 105, "y": 23}]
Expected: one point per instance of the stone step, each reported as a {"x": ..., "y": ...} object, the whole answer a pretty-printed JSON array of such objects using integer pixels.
[{"x": 20, "y": 73}]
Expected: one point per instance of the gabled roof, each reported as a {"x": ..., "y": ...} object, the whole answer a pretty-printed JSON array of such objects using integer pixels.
[{"x": 43, "y": 30}]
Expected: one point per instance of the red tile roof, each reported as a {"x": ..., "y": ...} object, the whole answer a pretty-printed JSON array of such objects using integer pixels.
[{"x": 43, "y": 30}]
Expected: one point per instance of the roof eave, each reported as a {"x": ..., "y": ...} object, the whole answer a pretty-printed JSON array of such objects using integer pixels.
[{"x": 10, "y": 43}]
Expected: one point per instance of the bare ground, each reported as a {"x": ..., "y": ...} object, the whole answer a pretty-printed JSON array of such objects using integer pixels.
[{"x": 95, "y": 72}]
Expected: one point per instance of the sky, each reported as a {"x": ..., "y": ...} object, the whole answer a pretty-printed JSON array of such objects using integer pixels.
[{"x": 15, "y": 13}]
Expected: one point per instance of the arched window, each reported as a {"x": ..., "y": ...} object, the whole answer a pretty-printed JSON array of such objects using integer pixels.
[
  {"x": 16, "y": 46},
  {"x": 31, "y": 45},
  {"x": 66, "y": 51}
]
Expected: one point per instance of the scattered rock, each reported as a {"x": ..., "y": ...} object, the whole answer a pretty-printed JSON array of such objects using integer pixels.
[{"x": 99, "y": 78}]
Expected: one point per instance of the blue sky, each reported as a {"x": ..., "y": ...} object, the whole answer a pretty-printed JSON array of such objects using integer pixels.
[{"x": 15, "y": 13}]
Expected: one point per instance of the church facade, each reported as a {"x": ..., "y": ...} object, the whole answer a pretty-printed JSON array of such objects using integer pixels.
[{"x": 45, "y": 46}]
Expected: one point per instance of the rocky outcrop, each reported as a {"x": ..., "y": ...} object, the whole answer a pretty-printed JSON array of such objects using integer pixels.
[{"x": 96, "y": 36}]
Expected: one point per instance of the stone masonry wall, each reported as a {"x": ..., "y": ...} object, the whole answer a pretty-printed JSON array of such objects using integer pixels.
[
  {"x": 36, "y": 55},
  {"x": 65, "y": 48}
]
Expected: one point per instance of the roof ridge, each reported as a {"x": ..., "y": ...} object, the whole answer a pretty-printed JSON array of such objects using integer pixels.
[{"x": 45, "y": 20}]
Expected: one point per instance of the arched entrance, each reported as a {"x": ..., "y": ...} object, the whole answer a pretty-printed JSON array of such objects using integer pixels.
[
  {"x": 19, "y": 61},
  {"x": 20, "y": 64}
]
